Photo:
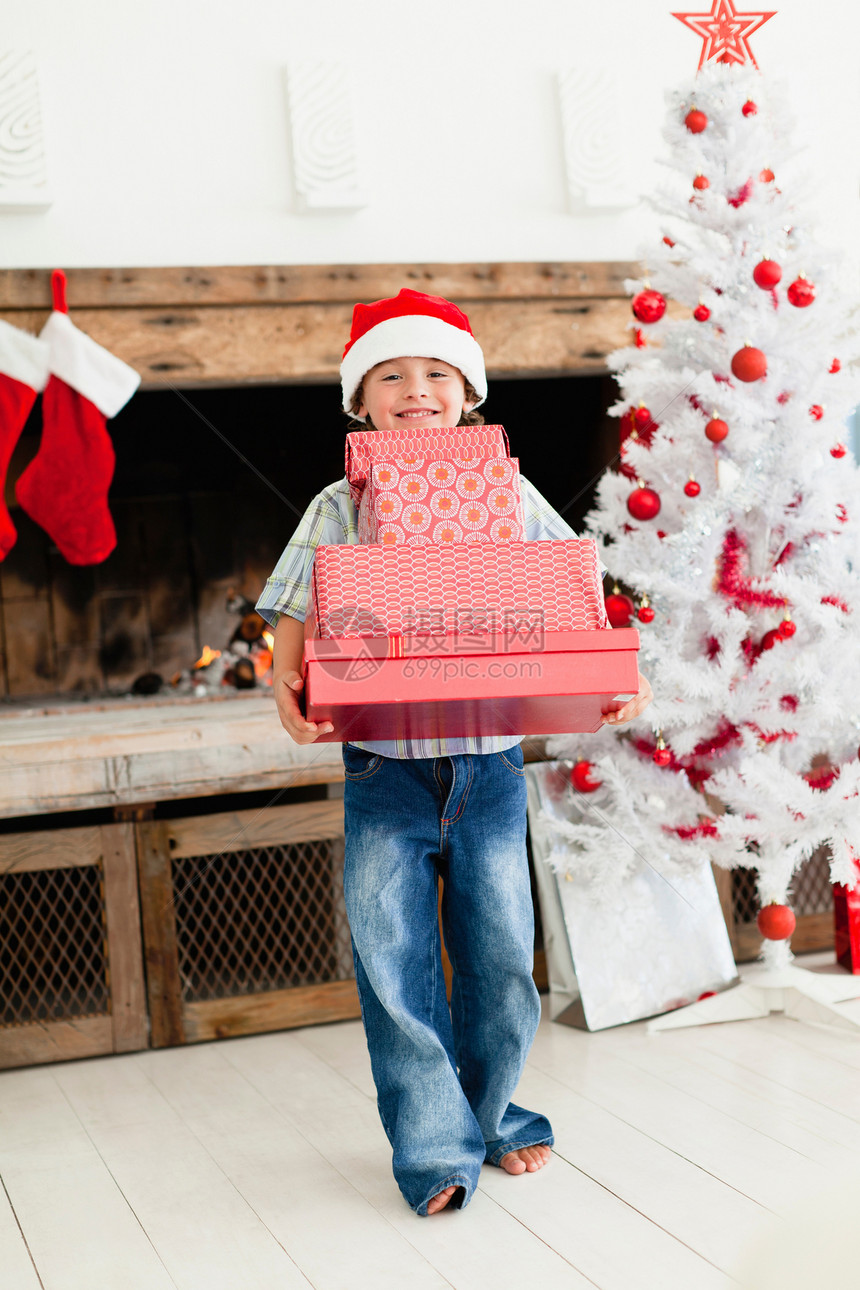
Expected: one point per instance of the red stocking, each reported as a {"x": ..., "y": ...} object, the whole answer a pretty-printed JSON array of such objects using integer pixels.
[
  {"x": 65, "y": 486},
  {"x": 23, "y": 372}
]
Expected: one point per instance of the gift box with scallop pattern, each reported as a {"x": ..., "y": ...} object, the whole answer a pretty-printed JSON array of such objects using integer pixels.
[{"x": 458, "y": 587}]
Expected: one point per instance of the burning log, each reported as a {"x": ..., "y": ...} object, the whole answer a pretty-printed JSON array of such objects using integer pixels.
[
  {"x": 244, "y": 676},
  {"x": 147, "y": 683}
]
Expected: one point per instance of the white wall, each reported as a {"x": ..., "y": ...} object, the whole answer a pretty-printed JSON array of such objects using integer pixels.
[{"x": 168, "y": 139}]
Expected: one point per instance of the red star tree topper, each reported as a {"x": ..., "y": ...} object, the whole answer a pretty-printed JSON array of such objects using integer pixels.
[{"x": 725, "y": 32}]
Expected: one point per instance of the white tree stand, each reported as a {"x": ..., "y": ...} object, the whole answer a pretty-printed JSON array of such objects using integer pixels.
[{"x": 774, "y": 985}]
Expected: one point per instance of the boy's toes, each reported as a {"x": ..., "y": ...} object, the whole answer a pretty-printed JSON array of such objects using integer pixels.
[
  {"x": 525, "y": 1160},
  {"x": 440, "y": 1200},
  {"x": 513, "y": 1163}
]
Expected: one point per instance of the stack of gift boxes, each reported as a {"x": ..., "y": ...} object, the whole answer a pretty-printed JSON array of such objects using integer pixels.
[{"x": 444, "y": 620}]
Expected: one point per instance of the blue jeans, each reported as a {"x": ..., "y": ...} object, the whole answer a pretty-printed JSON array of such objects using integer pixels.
[{"x": 444, "y": 1077}]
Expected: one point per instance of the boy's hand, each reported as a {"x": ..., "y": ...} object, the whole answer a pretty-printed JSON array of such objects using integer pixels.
[
  {"x": 633, "y": 707},
  {"x": 287, "y": 690}
]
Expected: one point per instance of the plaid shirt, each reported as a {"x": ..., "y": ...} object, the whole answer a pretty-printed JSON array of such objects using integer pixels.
[{"x": 332, "y": 520}]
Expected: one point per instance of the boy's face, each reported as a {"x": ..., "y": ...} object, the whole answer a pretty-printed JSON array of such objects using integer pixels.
[{"x": 419, "y": 392}]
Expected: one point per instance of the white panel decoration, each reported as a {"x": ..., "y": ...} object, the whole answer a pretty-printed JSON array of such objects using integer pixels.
[
  {"x": 595, "y": 154},
  {"x": 325, "y": 161},
  {"x": 23, "y": 171}
]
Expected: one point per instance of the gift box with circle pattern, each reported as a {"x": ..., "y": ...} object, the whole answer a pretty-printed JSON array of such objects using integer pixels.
[{"x": 441, "y": 500}]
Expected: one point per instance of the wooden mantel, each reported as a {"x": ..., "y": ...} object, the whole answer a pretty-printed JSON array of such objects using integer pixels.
[
  {"x": 268, "y": 324},
  {"x": 85, "y": 756}
]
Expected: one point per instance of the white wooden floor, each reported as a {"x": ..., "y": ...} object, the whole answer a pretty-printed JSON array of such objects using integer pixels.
[{"x": 259, "y": 1163}]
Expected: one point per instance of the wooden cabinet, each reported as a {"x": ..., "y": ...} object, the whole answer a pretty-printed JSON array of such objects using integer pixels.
[
  {"x": 244, "y": 922},
  {"x": 71, "y": 966}
]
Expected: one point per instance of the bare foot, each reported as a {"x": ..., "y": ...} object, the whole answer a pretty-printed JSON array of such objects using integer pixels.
[
  {"x": 440, "y": 1200},
  {"x": 526, "y": 1160}
]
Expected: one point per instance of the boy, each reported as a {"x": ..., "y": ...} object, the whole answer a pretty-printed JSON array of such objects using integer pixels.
[{"x": 417, "y": 810}]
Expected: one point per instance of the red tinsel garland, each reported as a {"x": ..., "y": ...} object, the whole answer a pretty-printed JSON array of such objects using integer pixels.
[
  {"x": 732, "y": 585},
  {"x": 835, "y": 600},
  {"x": 706, "y": 828},
  {"x": 771, "y": 737},
  {"x": 742, "y": 195},
  {"x": 726, "y": 734}
]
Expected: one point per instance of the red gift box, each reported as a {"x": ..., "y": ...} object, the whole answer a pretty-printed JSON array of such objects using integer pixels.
[
  {"x": 409, "y": 687},
  {"x": 442, "y": 641},
  {"x": 439, "y": 500},
  {"x": 846, "y": 922},
  {"x": 408, "y": 447}
]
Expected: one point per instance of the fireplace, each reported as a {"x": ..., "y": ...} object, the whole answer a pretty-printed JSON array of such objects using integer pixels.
[{"x": 209, "y": 485}]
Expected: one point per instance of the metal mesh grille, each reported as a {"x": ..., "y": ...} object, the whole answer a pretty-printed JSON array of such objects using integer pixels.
[
  {"x": 268, "y": 918},
  {"x": 811, "y": 892},
  {"x": 53, "y": 959}
]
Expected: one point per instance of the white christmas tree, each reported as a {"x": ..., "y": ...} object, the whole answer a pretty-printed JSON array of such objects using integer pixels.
[{"x": 732, "y": 518}]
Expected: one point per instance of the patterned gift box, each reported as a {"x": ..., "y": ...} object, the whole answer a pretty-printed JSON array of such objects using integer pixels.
[
  {"x": 441, "y": 500},
  {"x": 458, "y": 588},
  {"x": 408, "y": 447}
]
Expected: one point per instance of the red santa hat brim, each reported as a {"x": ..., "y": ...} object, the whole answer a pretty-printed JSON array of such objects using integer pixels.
[{"x": 415, "y": 336}]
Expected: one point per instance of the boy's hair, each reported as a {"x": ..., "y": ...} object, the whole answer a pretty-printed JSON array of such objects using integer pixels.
[{"x": 472, "y": 418}]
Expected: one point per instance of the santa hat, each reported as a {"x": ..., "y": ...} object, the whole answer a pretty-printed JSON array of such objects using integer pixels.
[{"x": 410, "y": 324}]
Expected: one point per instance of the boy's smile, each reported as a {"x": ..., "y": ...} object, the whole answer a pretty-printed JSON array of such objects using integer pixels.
[{"x": 413, "y": 391}]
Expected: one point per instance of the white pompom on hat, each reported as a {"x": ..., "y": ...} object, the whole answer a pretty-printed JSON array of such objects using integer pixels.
[{"x": 410, "y": 325}]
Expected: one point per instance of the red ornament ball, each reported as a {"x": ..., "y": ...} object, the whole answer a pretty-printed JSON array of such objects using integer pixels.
[
  {"x": 701, "y": 313},
  {"x": 787, "y": 628},
  {"x": 701, "y": 182},
  {"x": 776, "y": 922},
  {"x": 766, "y": 175},
  {"x": 619, "y": 609},
  {"x": 645, "y": 614},
  {"x": 749, "y": 364},
  {"x": 835, "y": 366},
  {"x": 695, "y": 121},
  {"x": 767, "y": 274},
  {"x": 838, "y": 450},
  {"x": 816, "y": 411},
  {"x": 770, "y": 638},
  {"x": 716, "y": 430},
  {"x": 801, "y": 292},
  {"x": 649, "y": 306},
  {"x": 692, "y": 488},
  {"x": 642, "y": 417},
  {"x": 580, "y": 777},
  {"x": 643, "y": 503},
  {"x": 749, "y": 108},
  {"x": 663, "y": 757}
]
